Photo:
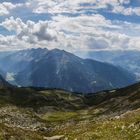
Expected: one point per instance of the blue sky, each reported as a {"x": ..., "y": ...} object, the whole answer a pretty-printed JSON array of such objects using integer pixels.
[{"x": 84, "y": 25}]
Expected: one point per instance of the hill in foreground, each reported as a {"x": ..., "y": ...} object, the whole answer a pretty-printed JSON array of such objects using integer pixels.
[{"x": 48, "y": 114}]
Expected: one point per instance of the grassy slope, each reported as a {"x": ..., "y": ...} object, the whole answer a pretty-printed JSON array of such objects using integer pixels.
[{"x": 35, "y": 114}]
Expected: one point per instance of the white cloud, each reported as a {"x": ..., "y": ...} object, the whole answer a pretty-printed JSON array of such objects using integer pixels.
[
  {"x": 13, "y": 24},
  {"x": 80, "y": 6},
  {"x": 56, "y": 6},
  {"x": 29, "y": 31},
  {"x": 124, "y": 1},
  {"x": 83, "y": 31},
  {"x": 11, "y": 43},
  {"x": 5, "y": 7},
  {"x": 127, "y": 11}
]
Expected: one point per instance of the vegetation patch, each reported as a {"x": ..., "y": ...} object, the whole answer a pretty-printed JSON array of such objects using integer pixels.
[{"x": 59, "y": 116}]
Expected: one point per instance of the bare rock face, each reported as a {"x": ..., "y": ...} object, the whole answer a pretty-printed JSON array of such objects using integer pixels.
[{"x": 18, "y": 117}]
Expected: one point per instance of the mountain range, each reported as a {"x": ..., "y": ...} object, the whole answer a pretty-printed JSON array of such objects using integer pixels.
[
  {"x": 127, "y": 59},
  {"x": 62, "y": 70}
]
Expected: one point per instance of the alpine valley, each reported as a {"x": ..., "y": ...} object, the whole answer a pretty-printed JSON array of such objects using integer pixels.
[{"x": 69, "y": 69}]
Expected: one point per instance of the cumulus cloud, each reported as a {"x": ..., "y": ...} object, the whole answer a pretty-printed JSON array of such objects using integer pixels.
[
  {"x": 56, "y": 6},
  {"x": 80, "y": 6},
  {"x": 81, "y": 31},
  {"x": 11, "y": 43},
  {"x": 124, "y": 1},
  {"x": 127, "y": 11},
  {"x": 84, "y": 32},
  {"x": 29, "y": 31},
  {"x": 97, "y": 43},
  {"x": 5, "y": 7}
]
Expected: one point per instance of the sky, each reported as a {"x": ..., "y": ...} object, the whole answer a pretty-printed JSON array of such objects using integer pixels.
[{"x": 72, "y": 25}]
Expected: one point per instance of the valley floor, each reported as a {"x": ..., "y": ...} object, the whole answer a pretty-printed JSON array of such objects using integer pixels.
[{"x": 27, "y": 114}]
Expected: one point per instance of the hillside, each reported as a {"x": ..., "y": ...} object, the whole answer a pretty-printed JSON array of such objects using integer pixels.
[
  {"x": 128, "y": 59},
  {"x": 63, "y": 70},
  {"x": 51, "y": 114}
]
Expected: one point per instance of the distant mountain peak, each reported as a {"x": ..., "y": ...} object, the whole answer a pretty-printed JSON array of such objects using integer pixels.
[{"x": 62, "y": 54}]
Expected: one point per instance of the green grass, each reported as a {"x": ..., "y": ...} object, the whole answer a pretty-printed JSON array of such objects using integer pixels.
[
  {"x": 127, "y": 127},
  {"x": 59, "y": 116}
]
